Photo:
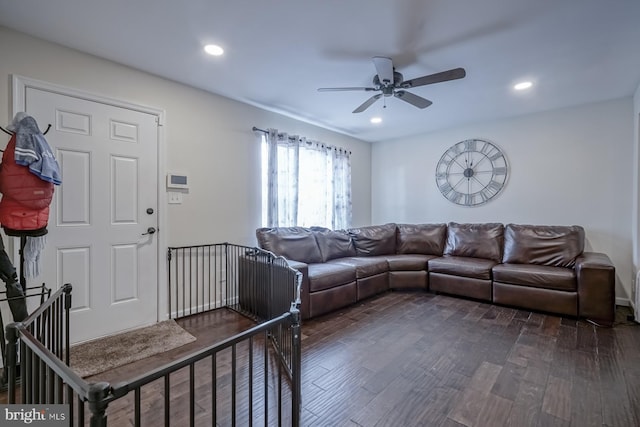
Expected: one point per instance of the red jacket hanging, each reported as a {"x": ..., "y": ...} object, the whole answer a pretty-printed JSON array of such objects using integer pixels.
[{"x": 25, "y": 197}]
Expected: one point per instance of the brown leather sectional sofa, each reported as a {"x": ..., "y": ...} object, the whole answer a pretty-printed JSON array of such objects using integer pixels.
[{"x": 527, "y": 266}]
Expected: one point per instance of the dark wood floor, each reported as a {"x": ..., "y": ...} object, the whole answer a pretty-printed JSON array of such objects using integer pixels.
[
  {"x": 432, "y": 360},
  {"x": 419, "y": 359}
]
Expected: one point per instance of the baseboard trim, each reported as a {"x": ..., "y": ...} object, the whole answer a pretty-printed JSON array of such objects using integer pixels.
[{"x": 623, "y": 301}]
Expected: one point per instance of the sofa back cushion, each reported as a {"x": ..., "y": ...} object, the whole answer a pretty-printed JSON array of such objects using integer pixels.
[
  {"x": 294, "y": 243},
  {"x": 333, "y": 243},
  {"x": 556, "y": 246},
  {"x": 427, "y": 239},
  {"x": 475, "y": 240},
  {"x": 374, "y": 240}
]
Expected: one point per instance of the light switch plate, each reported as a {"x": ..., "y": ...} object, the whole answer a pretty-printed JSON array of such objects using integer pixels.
[{"x": 175, "y": 197}]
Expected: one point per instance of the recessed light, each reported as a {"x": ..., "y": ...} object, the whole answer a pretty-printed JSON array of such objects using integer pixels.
[
  {"x": 376, "y": 120},
  {"x": 522, "y": 85},
  {"x": 213, "y": 49}
]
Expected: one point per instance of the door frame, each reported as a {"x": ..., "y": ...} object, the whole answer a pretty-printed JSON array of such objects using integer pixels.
[{"x": 20, "y": 84}]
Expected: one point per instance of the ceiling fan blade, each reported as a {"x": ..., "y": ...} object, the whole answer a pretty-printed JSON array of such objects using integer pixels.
[
  {"x": 366, "y": 104},
  {"x": 384, "y": 67},
  {"x": 456, "y": 73},
  {"x": 415, "y": 100},
  {"x": 337, "y": 89}
]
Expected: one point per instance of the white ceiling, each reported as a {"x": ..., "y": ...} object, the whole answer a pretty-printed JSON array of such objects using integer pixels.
[{"x": 279, "y": 52}]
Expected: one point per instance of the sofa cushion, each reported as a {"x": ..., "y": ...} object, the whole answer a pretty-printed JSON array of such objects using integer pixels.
[
  {"x": 556, "y": 246},
  {"x": 374, "y": 240},
  {"x": 425, "y": 239},
  {"x": 475, "y": 240},
  {"x": 408, "y": 262},
  {"x": 476, "y": 268},
  {"x": 539, "y": 276},
  {"x": 329, "y": 275},
  {"x": 322, "y": 302},
  {"x": 365, "y": 267},
  {"x": 333, "y": 244},
  {"x": 528, "y": 297},
  {"x": 296, "y": 243}
]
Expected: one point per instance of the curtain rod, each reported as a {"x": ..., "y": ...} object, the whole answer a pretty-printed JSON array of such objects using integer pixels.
[{"x": 257, "y": 129}]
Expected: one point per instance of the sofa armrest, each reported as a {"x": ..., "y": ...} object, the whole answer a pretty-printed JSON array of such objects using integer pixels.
[
  {"x": 304, "y": 291},
  {"x": 596, "y": 277}
]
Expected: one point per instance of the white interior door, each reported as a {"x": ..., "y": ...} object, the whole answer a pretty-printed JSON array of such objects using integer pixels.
[{"x": 108, "y": 157}]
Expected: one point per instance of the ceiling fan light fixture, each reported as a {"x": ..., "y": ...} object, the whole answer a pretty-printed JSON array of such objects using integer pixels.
[
  {"x": 523, "y": 85},
  {"x": 213, "y": 49},
  {"x": 376, "y": 120}
]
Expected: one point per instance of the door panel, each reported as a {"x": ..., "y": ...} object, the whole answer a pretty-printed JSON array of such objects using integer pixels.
[{"x": 74, "y": 196}]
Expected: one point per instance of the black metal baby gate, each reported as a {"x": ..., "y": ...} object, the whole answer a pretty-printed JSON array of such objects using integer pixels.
[
  {"x": 252, "y": 377},
  {"x": 248, "y": 280}
]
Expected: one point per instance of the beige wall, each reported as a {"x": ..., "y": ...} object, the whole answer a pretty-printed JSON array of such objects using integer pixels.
[{"x": 207, "y": 136}]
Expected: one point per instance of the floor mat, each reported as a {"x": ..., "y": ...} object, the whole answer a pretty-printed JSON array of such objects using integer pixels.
[{"x": 100, "y": 355}]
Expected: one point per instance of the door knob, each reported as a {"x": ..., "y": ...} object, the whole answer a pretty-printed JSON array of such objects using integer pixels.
[{"x": 150, "y": 230}]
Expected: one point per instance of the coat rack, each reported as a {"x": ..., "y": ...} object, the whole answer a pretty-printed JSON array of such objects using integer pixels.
[
  {"x": 23, "y": 238},
  {"x": 8, "y": 132},
  {"x": 43, "y": 290}
]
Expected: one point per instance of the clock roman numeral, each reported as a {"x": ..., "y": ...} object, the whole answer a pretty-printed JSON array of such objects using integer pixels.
[
  {"x": 445, "y": 188},
  {"x": 454, "y": 196},
  {"x": 470, "y": 145},
  {"x": 500, "y": 171},
  {"x": 490, "y": 190},
  {"x": 495, "y": 156},
  {"x": 487, "y": 149},
  {"x": 447, "y": 160},
  {"x": 494, "y": 185}
]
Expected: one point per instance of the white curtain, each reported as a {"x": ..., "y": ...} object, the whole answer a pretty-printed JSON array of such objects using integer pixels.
[
  {"x": 342, "y": 188},
  {"x": 308, "y": 183}
]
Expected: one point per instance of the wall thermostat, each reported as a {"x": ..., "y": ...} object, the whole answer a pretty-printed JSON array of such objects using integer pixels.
[{"x": 177, "y": 181}]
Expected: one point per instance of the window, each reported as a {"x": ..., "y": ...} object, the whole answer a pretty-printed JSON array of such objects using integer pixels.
[{"x": 304, "y": 183}]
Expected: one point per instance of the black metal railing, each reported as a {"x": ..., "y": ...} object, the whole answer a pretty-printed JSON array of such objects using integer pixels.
[
  {"x": 249, "y": 280},
  {"x": 246, "y": 279},
  {"x": 252, "y": 377},
  {"x": 43, "y": 370},
  {"x": 239, "y": 381},
  {"x": 33, "y": 291}
]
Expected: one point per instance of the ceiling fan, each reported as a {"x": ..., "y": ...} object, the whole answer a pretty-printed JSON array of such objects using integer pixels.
[{"x": 389, "y": 82}]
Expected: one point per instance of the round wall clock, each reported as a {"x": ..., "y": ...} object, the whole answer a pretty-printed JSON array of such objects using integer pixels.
[{"x": 471, "y": 172}]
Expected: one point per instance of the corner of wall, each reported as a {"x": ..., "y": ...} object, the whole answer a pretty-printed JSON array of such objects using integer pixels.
[{"x": 633, "y": 297}]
